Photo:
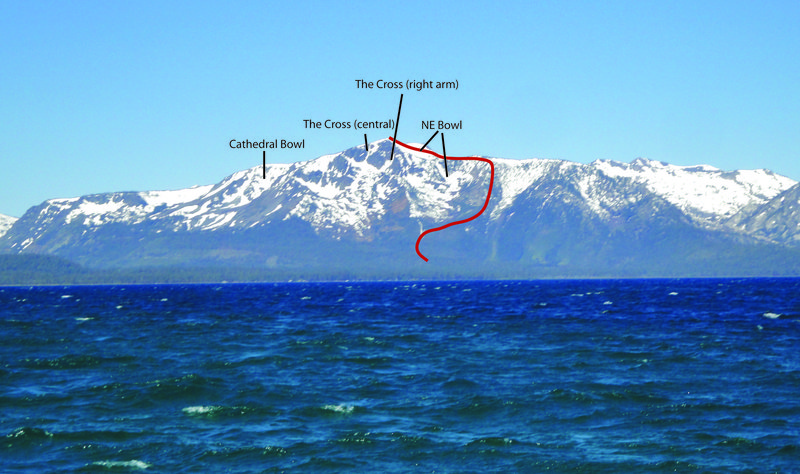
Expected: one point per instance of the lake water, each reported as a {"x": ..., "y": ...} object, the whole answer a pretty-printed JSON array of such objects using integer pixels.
[{"x": 507, "y": 376}]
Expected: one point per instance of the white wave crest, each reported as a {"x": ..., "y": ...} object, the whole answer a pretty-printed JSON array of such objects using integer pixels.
[
  {"x": 133, "y": 464},
  {"x": 340, "y": 408},
  {"x": 201, "y": 410}
]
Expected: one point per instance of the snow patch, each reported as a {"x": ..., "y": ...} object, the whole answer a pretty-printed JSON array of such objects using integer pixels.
[{"x": 171, "y": 198}]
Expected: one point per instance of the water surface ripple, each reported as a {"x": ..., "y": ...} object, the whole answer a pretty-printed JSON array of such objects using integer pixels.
[{"x": 509, "y": 376}]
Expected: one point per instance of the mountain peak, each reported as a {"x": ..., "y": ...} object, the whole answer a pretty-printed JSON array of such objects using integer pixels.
[{"x": 641, "y": 161}]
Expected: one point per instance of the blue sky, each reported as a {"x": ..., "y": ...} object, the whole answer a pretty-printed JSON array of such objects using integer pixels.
[{"x": 112, "y": 96}]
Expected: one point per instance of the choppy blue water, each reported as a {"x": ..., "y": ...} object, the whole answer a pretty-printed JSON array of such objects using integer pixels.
[{"x": 566, "y": 376}]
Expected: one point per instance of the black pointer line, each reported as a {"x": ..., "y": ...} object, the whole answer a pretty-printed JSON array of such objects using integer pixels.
[
  {"x": 429, "y": 140},
  {"x": 396, "y": 123},
  {"x": 444, "y": 154},
  {"x": 366, "y": 146},
  {"x": 264, "y": 162}
]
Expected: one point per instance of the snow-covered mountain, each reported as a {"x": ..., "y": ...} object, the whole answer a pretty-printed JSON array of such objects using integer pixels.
[
  {"x": 361, "y": 208},
  {"x": 777, "y": 220},
  {"x": 706, "y": 194},
  {"x": 5, "y": 223}
]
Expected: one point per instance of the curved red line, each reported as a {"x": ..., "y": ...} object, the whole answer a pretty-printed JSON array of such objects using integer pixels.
[{"x": 456, "y": 158}]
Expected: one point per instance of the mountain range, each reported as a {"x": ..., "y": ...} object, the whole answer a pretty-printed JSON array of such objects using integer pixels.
[{"x": 358, "y": 213}]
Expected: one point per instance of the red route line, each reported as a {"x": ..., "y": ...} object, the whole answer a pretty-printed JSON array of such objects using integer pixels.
[{"x": 456, "y": 158}]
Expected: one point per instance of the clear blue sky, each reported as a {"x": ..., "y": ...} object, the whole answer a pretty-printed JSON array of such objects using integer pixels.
[{"x": 111, "y": 96}]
